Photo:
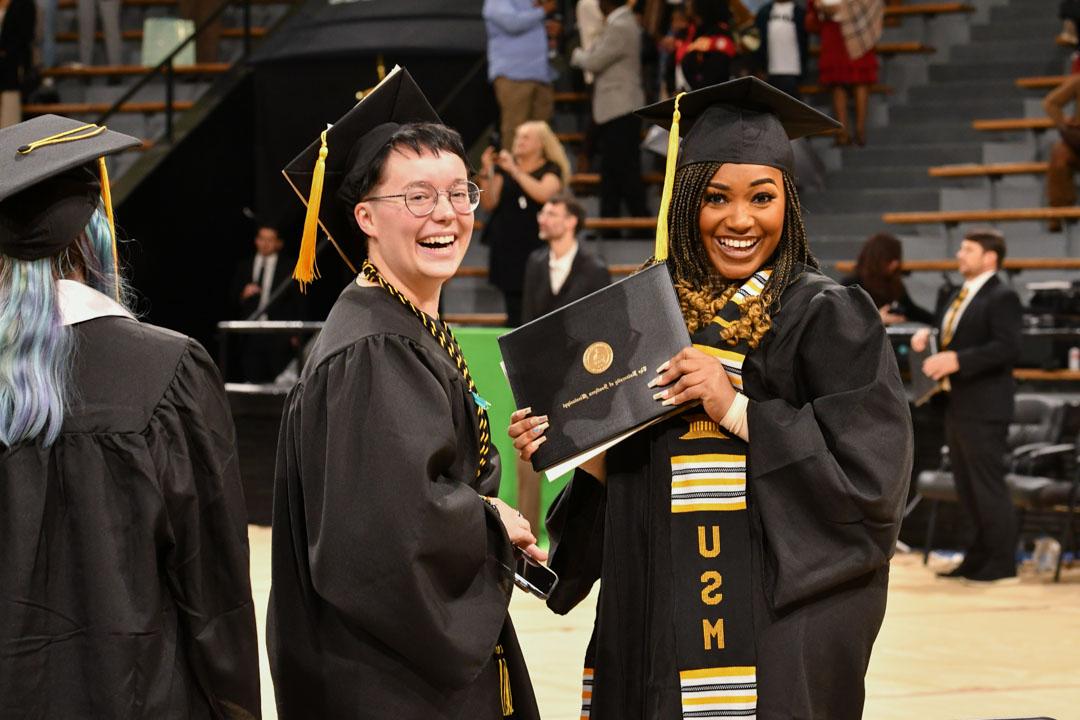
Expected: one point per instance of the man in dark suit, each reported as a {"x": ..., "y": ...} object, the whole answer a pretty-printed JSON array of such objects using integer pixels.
[
  {"x": 979, "y": 338},
  {"x": 263, "y": 357},
  {"x": 555, "y": 276}
]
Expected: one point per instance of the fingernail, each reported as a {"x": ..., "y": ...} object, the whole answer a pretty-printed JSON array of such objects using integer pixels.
[
  {"x": 541, "y": 441},
  {"x": 660, "y": 395},
  {"x": 654, "y": 382},
  {"x": 669, "y": 401},
  {"x": 544, "y": 418},
  {"x": 539, "y": 429},
  {"x": 525, "y": 411},
  {"x": 663, "y": 367}
]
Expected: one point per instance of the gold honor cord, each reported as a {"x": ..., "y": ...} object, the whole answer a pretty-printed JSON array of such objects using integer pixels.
[
  {"x": 445, "y": 337},
  {"x": 306, "y": 270},
  {"x": 85, "y": 132},
  {"x": 661, "y": 250}
]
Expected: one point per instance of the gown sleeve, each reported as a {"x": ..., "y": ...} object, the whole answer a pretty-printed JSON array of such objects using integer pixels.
[
  {"x": 830, "y": 472},
  {"x": 575, "y": 524},
  {"x": 192, "y": 442},
  {"x": 400, "y": 550}
]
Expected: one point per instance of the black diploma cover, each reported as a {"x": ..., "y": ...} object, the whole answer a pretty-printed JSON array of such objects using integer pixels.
[{"x": 587, "y": 365}]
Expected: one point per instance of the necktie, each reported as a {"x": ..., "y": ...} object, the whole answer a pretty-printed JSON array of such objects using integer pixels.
[{"x": 949, "y": 327}]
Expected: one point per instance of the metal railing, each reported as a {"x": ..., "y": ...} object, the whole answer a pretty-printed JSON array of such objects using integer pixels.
[{"x": 165, "y": 67}]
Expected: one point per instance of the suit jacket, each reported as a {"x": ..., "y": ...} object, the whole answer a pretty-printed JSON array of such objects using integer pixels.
[
  {"x": 587, "y": 274},
  {"x": 987, "y": 344},
  {"x": 615, "y": 60},
  {"x": 287, "y": 307}
]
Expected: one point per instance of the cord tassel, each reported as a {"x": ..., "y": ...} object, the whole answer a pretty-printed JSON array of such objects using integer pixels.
[
  {"x": 306, "y": 270},
  {"x": 660, "y": 252},
  {"x": 505, "y": 695},
  {"x": 106, "y": 196}
]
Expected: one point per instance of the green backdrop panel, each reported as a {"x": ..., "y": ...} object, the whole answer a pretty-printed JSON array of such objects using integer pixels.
[{"x": 481, "y": 348}]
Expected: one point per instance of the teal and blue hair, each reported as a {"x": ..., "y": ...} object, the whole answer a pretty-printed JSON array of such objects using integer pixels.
[{"x": 35, "y": 347}]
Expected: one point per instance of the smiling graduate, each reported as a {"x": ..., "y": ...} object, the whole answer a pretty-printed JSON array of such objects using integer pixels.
[
  {"x": 391, "y": 562},
  {"x": 742, "y": 546}
]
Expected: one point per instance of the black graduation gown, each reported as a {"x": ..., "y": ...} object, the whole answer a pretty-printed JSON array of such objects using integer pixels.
[
  {"x": 829, "y": 464},
  {"x": 124, "y": 584},
  {"x": 390, "y": 588}
]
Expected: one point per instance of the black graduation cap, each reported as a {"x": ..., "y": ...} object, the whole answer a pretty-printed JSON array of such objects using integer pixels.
[
  {"x": 332, "y": 165},
  {"x": 744, "y": 121},
  {"x": 48, "y": 184},
  {"x": 740, "y": 121}
]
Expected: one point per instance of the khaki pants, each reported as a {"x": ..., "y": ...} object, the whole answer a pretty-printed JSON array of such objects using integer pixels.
[
  {"x": 10, "y": 108},
  {"x": 521, "y": 101}
]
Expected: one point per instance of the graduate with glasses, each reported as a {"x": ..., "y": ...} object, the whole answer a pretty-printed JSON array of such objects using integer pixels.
[{"x": 391, "y": 557}]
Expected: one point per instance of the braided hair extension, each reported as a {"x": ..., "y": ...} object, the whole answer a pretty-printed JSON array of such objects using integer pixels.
[
  {"x": 701, "y": 290},
  {"x": 445, "y": 337}
]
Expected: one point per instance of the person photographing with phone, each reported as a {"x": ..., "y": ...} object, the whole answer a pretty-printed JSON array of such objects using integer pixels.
[{"x": 515, "y": 185}]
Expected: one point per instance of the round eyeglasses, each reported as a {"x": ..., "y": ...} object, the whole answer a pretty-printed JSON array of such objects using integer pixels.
[{"x": 422, "y": 197}]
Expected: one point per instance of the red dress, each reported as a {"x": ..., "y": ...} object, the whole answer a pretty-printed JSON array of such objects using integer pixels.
[{"x": 834, "y": 65}]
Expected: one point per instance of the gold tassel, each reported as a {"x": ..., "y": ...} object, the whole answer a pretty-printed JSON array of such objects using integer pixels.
[
  {"x": 306, "y": 270},
  {"x": 504, "y": 683},
  {"x": 106, "y": 196},
  {"x": 661, "y": 250}
]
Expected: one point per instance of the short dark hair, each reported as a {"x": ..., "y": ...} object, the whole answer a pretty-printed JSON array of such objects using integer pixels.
[
  {"x": 267, "y": 226},
  {"x": 991, "y": 241},
  {"x": 418, "y": 137},
  {"x": 572, "y": 206}
]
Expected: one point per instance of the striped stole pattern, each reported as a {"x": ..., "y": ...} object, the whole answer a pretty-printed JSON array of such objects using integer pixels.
[{"x": 711, "y": 545}]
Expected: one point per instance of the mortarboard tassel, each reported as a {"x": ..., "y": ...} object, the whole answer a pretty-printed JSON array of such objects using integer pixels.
[
  {"x": 661, "y": 250},
  {"x": 505, "y": 696},
  {"x": 306, "y": 270},
  {"x": 106, "y": 196}
]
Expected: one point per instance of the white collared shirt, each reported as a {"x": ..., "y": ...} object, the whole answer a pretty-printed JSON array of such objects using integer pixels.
[
  {"x": 267, "y": 263},
  {"x": 974, "y": 285},
  {"x": 79, "y": 303},
  {"x": 559, "y": 268}
]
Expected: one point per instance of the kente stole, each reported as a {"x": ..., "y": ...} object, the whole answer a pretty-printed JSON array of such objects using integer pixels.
[{"x": 710, "y": 545}]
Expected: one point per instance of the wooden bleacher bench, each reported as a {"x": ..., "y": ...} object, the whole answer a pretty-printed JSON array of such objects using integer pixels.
[
  {"x": 1040, "y": 82},
  {"x": 475, "y": 271},
  {"x": 991, "y": 170},
  {"x": 118, "y": 70},
  {"x": 953, "y": 217},
  {"x": 913, "y": 47},
  {"x": 591, "y": 180},
  {"x": 99, "y": 108},
  {"x": 610, "y": 223},
  {"x": 1010, "y": 265},
  {"x": 583, "y": 97},
  {"x": 929, "y": 9},
  {"x": 72, "y": 4},
  {"x": 1012, "y": 124},
  {"x": 256, "y": 31},
  {"x": 480, "y": 319},
  {"x": 1046, "y": 375}
]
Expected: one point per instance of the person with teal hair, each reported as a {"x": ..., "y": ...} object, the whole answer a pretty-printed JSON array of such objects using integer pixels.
[{"x": 123, "y": 538}]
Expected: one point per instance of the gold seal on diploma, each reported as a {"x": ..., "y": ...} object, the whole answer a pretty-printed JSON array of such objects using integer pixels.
[{"x": 598, "y": 357}]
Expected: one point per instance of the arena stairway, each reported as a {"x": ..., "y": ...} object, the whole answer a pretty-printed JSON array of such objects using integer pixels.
[
  {"x": 85, "y": 92},
  {"x": 924, "y": 120}
]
